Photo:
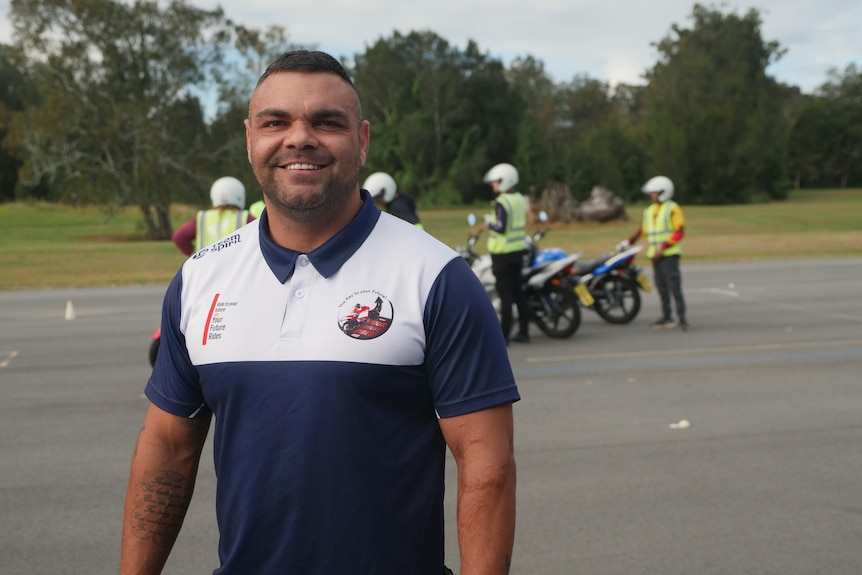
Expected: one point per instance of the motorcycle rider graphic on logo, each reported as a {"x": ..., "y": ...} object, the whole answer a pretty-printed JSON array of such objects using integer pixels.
[{"x": 365, "y": 322}]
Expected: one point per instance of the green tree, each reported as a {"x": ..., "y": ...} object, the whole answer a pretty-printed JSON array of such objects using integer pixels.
[
  {"x": 811, "y": 142},
  {"x": 439, "y": 116},
  {"x": 536, "y": 152},
  {"x": 826, "y": 140},
  {"x": 595, "y": 137},
  {"x": 114, "y": 121},
  {"x": 11, "y": 87},
  {"x": 713, "y": 117}
]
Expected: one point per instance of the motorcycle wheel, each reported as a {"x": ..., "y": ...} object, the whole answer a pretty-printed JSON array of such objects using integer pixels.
[
  {"x": 154, "y": 349},
  {"x": 617, "y": 298},
  {"x": 556, "y": 311}
]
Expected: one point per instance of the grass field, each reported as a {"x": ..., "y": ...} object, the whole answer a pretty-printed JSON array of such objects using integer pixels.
[{"x": 51, "y": 246}]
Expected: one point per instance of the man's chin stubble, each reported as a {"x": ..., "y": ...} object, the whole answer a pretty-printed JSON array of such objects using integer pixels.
[{"x": 316, "y": 210}]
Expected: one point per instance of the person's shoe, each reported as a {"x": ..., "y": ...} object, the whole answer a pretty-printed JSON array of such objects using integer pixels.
[
  {"x": 683, "y": 325},
  {"x": 521, "y": 338},
  {"x": 663, "y": 324}
]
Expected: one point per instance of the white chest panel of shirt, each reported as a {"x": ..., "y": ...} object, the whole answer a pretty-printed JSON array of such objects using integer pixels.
[{"x": 370, "y": 311}]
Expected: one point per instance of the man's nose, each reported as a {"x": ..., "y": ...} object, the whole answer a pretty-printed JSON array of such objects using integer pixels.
[{"x": 300, "y": 135}]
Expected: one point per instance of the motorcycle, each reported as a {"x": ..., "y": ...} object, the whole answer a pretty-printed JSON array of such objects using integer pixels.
[
  {"x": 613, "y": 282},
  {"x": 552, "y": 305}
]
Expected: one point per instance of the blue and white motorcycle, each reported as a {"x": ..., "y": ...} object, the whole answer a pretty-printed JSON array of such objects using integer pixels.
[
  {"x": 613, "y": 282},
  {"x": 553, "y": 305}
]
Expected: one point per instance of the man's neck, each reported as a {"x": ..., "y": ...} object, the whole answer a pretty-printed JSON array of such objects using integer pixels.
[{"x": 304, "y": 236}]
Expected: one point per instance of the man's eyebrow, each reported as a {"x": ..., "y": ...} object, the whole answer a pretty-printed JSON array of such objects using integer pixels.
[
  {"x": 315, "y": 115},
  {"x": 272, "y": 113},
  {"x": 330, "y": 113}
]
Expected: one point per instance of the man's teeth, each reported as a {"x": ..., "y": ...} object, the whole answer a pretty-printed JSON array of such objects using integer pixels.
[{"x": 302, "y": 167}]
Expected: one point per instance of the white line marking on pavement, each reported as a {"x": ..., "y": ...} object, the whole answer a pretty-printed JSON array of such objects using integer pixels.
[
  {"x": 782, "y": 305},
  {"x": 723, "y": 292},
  {"x": 10, "y": 355}
]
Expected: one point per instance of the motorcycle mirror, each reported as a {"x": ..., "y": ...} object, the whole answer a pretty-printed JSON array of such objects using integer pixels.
[
  {"x": 471, "y": 219},
  {"x": 543, "y": 216}
]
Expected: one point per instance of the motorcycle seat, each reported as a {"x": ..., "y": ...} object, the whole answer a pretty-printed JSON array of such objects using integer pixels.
[{"x": 586, "y": 266}]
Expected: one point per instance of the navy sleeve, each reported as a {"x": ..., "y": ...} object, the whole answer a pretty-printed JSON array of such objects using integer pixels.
[
  {"x": 174, "y": 385},
  {"x": 466, "y": 356},
  {"x": 499, "y": 224}
]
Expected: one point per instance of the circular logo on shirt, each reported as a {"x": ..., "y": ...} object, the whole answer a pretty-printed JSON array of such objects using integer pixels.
[{"x": 365, "y": 314}]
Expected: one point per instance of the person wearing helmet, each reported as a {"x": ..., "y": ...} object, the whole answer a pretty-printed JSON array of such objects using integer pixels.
[
  {"x": 663, "y": 226},
  {"x": 256, "y": 209},
  {"x": 507, "y": 244},
  {"x": 226, "y": 215},
  {"x": 384, "y": 190}
]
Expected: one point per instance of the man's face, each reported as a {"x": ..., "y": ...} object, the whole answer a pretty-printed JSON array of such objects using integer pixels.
[
  {"x": 306, "y": 143},
  {"x": 654, "y": 196}
]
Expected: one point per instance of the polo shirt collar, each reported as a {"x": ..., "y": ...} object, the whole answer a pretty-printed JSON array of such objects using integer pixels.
[{"x": 328, "y": 258}]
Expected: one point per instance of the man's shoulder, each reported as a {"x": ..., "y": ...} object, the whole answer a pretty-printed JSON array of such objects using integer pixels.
[
  {"x": 673, "y": 206},
  {"x": 404, "y": 239},
  {"x": 232, "y": 247}
]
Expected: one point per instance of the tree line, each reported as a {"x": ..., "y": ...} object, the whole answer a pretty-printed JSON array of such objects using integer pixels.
[{"x": 105, "y": 102}]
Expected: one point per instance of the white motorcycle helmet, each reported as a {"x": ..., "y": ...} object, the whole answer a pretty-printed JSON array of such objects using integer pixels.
[
  {"x": 227, "y": 191},
  {"x": 381, "y": 183},
  {"x": 506, "y": 174},
  {"x": 660, "y": 184}
]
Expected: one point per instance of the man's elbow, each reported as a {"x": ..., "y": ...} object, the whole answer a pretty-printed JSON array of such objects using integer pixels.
[{"x": 496, "y": 476}]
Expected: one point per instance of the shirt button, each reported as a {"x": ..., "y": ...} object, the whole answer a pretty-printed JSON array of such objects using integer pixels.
[
  {"x": 303, "y": 261},
  {"x": 299, "y": 293}
]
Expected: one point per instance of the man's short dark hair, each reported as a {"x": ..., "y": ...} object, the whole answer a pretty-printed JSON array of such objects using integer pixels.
[{"x": 306, "y": 61}]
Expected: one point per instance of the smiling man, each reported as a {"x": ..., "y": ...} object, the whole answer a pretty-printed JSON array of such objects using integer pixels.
[{"x": 331, "y": 425}]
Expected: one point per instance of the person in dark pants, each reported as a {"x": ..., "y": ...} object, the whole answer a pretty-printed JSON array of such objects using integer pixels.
[
  {"x": 508, "y": 247},
  {"x": 664, "y": 227}
]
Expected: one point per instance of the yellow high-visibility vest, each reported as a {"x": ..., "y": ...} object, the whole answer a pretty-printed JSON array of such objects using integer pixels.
[
  {"x": 513, "y": 238},
  {"x": 659, "y": 229},
  {"x": 214, "y": 224}
]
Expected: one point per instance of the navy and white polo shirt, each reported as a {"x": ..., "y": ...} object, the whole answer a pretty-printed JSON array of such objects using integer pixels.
[{"x": 326, "y": 373}]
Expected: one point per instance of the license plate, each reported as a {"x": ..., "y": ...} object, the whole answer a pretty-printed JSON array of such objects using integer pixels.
[
  {"x": 583, "y": 293},
  {"x": 644, "y": 282}
]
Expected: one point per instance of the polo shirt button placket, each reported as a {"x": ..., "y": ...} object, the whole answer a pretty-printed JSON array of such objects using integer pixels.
[{"x": 297, "y": 303}]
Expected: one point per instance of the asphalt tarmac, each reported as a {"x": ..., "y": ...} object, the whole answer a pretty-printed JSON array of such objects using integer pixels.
[{"x": 766, "y": 479}]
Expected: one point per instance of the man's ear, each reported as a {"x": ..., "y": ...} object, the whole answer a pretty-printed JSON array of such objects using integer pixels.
[
  {"x": 247, "y": 139},
  {"x": 364, "y": 139}
]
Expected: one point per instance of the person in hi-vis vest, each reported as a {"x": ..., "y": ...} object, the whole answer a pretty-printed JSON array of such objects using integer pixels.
[
  {"x": 507, "y": 244},
  {"x": 257, "y": 208},
  {"x": 663, "y": 226},
  {"x": 226, "y": 215}
]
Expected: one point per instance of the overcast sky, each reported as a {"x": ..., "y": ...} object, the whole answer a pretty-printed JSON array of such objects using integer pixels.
[{"x": 607, "y": 40}]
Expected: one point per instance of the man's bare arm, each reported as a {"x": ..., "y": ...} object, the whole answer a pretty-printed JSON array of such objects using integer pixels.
[
  {"x": 483, "y": 446},
  {"x": 161, "y": 482}
]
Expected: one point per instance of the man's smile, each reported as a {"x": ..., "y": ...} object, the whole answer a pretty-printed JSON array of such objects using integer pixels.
[{"x": 298, "y": 166}]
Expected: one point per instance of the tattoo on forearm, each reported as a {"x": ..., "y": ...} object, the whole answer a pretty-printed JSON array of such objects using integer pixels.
[{"x": 160, "y": 504}]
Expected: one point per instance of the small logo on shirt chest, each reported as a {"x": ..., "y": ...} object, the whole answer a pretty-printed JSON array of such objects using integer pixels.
[
  {"x": 365, "y": 314},
  {"x": 215, "y": 320}
]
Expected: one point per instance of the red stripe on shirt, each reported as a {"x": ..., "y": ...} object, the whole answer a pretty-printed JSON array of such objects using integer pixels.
[{"x": 209, "y": 319}]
